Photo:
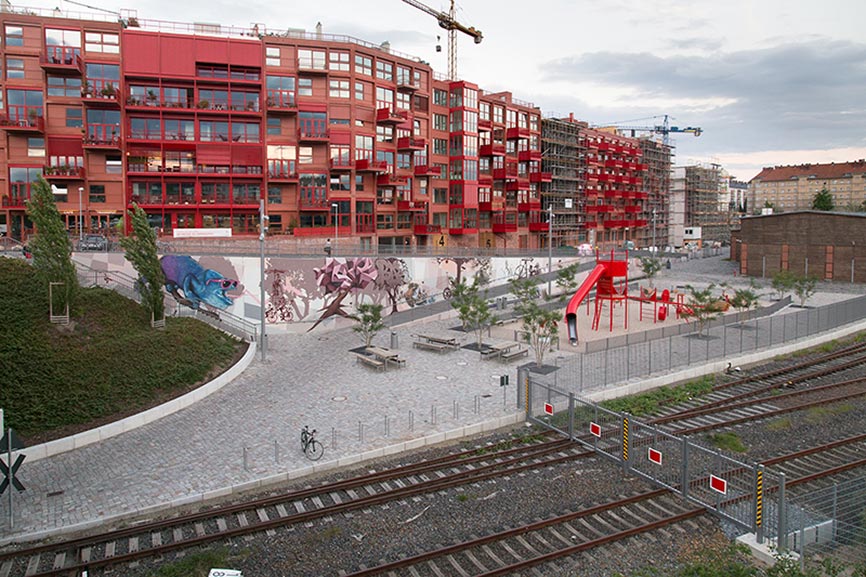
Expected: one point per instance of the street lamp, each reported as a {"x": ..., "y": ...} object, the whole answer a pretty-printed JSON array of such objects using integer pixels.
[
  {"x": 336, "y": 208},
  {"x": 263, "y": 228},
  {"x": 80, "y": 217},
  {"x": 549, "y": 248},
  {"x": 655, "y": 248}
]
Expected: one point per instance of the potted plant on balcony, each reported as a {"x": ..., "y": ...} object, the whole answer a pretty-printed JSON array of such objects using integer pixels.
[
  {"x": 203, "y": 104},
  {"x": 151, "y": 97},
  {"x": 32, "y": 114},
  {"x": 108, "y": 91},
  {"x": 87, "y": 90}
]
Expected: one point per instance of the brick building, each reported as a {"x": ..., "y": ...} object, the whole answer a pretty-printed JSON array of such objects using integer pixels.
[{"x": 827, "y": 245}]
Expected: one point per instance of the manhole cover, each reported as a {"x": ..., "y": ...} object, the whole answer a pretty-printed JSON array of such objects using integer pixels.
[
  {"x": 461, "y": 363},
  {"x": 441, "y": 378},
  {"x": 339, "y": 398}
]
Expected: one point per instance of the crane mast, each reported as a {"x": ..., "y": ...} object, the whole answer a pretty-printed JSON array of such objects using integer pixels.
[
  {"x": 449, "y": 22},
  {"x": 664, "y": 129}
]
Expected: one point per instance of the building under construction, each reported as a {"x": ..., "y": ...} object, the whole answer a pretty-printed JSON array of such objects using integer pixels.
[
  {"x": 657, "y": 183},
  {"x": 695, "y": 205},
  {"x": 564, "y": 158}
]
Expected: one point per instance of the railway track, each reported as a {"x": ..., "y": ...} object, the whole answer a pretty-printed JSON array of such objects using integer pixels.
[{"x": 518, "y": 549}]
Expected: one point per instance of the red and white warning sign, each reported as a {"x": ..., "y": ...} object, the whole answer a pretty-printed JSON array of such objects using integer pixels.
[
  {"x": 654, "y": 455},
  {"x": 718, "y": 485},
  {"x": 595, "y": 429},
  {"x": 548, "y": 409}
]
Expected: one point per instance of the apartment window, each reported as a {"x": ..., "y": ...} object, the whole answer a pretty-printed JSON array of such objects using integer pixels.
[
  {"x": 64, "y": 86},
  {"x": 510, "y": 118},
  {"x": 359, "y": 91},
  {"x": 384, "y": 97},
  {"x": 36, "y": 147},
  {"x": 97, "y": 193},
  {"x": 272, "y": 56},
  {"x": 338, "y": 61},
  {"x": 281, "y": 91},
  {"x": 385, "y": 134},
  {"x": 498, "y": 114},
  {"x": 341, "y": 182},
  {"x": 246, "y": 132},
  {"x": 101, "y": 76},
  {"x": 274, "y": 126},
  {"x": 338, "y": 89},
  {"x": 440, "y": 195},
  {"x": 440, "y": 122},
  {"x": 359, "y": 183},
  {"x": 363, "y": 65},
  {"x": 340, "y": 155},
  {"x": 275, "y": 196},
  {"x": 440, "y": 146},
  {"x": 440, "y": 97},
  {"x": 363, "y": 147},
  {"x": 14, "y": 36},
  {"x": 14, "y": 68},
  {"x": 101, "y": 42},
  {"x": 533, "y": 123},
  {"x": 210, "y": 131},
  {"x": 305, "y": 155},
  {"x": 384, "y": 70},
  {"x": 311, "y": 59},
  {"x": 484, "y": 111},
  {"x": 178, "y": 129},
  {"x": 404, "y": 76},
  {"x": 113, "y": 164},
  {"x": 403, "y": 100},
  {"x": 305, "y": 86},
  {"x": 145, "y": 128}
]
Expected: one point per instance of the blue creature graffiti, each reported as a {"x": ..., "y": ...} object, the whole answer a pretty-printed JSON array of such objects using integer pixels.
[{"x": 199, "y": 285}]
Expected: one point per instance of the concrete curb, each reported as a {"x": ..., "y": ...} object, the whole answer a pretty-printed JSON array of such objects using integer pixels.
[
  {"x": 201, "y": 498},
  {"x": 98, "y": 434}
]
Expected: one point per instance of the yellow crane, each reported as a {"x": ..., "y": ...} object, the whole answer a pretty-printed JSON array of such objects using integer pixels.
[{"x": 449, "y": 23}]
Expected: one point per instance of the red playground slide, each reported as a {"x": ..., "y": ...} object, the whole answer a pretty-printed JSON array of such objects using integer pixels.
[{"x": 571, "y": 308}]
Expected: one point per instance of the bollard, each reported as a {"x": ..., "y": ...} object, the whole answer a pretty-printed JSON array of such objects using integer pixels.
[
  {"x": 333, "y": 438},
  {"x": 246, "y": 468},
  {"x": 276, "y": 453},
  {"x": 394, "y": 341},
  {"x": 360, "y": 431},
  {"x": 387, "y": 426},
  {"x": 433, "y": 415},
  {"x": 411, "y": 421},
  {"x": 456, "y": 411}
]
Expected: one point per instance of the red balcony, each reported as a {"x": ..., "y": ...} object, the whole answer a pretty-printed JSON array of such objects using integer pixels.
[
  {"x": 640, "y": 195},
  {"x": 503, "y": 222},
  {"x": 389, "y": 179},
  {"x": 410, "y": 143},
  {"x": 14, "y": 202},
  {"x": 640, "y": 167},
  {"x": 368, "y": 165},
  {"x": 491, "y": 204},
  {"x": 616, "y": 223},
  {"x": 632, "y": 151},
  {"x": 603, "y": 208},
  {"x": 538, "y": 221},
  {"x": 106, "y": 97},
  {"x": 529, "y": 205},
  {"x": 605, "y": 177},
  {"x": 62, "y": 59},
  {"x": 517, "y": 132},
  {"x": 491, "y": 150},
  {"x": 485, "y": 179},
  {"x": 102, "y": 143},
  {"x": 540, "y": 177},
  {"x": 63, "y": 172},
  {"x": 635, "y": 180},
  {"x": 407, "y": 85},
  {"x": 282, "y": 101},
  {"x": 313, "y": 134},
  {"x": 633, "y": 209},
  {"x": 388, "y": 116},
  {"x": 486, "y": 125},
  {"x": 592, "y": 159},
  {"x": 410, "y": 205},
  {"x": 426, "y": 229},
  {"x": 605, "y": 146},
  {"x": 278, "y": 174},
  {"x": 14, "y": 123},
  {"x": 341, "y": 164},
  {"x": 427, "y": 170},
  {"x": 317, "y": 203},
  {"x": 460, "y": 231},
  {"x": 639, "y": 222},
  {"x": 509, "y": 172},
  {"x": 529, "y": 155},
  {"x": 592, "y": 176}
]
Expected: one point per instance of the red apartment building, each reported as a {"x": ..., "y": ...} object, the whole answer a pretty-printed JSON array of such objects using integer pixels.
[{"x": 198, "y": 124}]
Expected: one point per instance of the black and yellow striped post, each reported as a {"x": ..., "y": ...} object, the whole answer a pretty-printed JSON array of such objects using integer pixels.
[
  {"x": 759, "y": 503},
  {"x": 625, "y": 462}
]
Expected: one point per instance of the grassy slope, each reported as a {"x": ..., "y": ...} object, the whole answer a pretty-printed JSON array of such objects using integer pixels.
[{"x": 107, "y": 364}]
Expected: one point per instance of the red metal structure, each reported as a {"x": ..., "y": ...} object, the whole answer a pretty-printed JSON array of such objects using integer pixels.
[{"x": 603, "y": 279}]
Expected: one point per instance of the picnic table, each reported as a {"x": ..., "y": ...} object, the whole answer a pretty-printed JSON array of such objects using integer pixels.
[
  {"x": 385, "y": 355},
  {"x": 497, "y": 349},
  {"x": 435, "y": 343}
]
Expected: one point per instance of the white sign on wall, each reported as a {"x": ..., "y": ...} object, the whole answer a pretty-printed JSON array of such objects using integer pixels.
[{"x": 202, "y": 232}]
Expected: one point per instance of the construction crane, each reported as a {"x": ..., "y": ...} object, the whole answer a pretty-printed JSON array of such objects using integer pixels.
[
  {"x": 664, "y": 129},
  {"x": 449, "y": 23}
]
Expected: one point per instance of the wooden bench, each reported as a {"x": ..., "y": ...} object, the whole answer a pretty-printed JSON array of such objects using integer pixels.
[
  {"x": 438, "y": 347},
  {"x": 490, "y": 353},
  {"x": 371, "y": 361},
  {"x": 397, "y": 361},
  {"x": 519, "y": 352}
]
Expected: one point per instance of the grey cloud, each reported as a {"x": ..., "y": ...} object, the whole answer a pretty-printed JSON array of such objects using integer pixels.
[
  {"x": 696, "y": 43},
  {"x": 806, "y": 95}
]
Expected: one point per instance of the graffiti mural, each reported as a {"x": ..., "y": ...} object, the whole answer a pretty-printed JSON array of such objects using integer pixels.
[
  {"x": 191, "y": 284},
  {"x": 340, "y": 279}
]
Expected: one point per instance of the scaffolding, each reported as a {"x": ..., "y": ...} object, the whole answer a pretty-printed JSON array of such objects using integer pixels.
[
  {"x": 702, "y": 187},
  {"x": 564, "y": 158},
  {"x": 657, "y": 183}
]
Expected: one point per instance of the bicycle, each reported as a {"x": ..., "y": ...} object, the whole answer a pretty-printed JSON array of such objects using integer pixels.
[{"x": 312, "y": 448}]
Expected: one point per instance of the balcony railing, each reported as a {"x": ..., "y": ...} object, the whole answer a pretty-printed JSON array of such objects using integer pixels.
[
  {"x": 540, "y": 177},
  {"x": 62, "y": 59},
  {"x": 410, "y": 143},
  {"x": 389, "y": 179},
  {"x": 504, "y": 222},
  {"x": 404, "y": 205},
  {"x": 341, "y": 164},
  {"x": 427, "y": 170},
  {"x": 369, "y": 165},
  {"x": 63, "y": 172},
  {"x": 313, "y": 134},
  {"x": 529, "y": 155},
  {"x": 387, "y": 115},
  {"x": 493, "y": 149},
  {"x": 426, "y": 229},
  {"x": 530, "y": 205},
  {"x": 14, "y": 123},
  {"x": 517, "y": 132}
]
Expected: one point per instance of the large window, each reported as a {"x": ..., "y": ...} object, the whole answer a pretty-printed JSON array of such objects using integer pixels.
[
  {"x": 14, "y": 68},
  {"x": 101, "y": 42},
  {"x": 440, "y": 97},
  {"x": 64, "y": 86},
  {"x": 14, "y": 36},
  {"x": 145, "y": 128},
  {"x": 363, "y": 147},
  {"x": 272, "y": 56},
  {"x": 384, "y": 70},
  {"x": 102, "y": 76},
  {"x": 281, "y": 91},
  {"x": 62, "y": 46},
  {"x": 311, "y": 59},
  {"x": 339, "y": 61},
  {"x": 363, "y": 64},
  {"x": 213, "y": 131},
  {"x": 313, "y": 190},
  {"x": 338, "y": 89},
  {"x": 179, "y": 129},
  {"x": 245, "y": 132},
  {"x": 24, "y": 105},
  {"x": 20, "y": 179},
  {"x": 305, "y": 86}
]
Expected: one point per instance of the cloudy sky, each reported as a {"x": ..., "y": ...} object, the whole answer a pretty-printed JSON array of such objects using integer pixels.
[{"x": 769, "y": 81}]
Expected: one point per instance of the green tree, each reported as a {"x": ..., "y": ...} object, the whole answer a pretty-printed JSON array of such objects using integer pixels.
[
  {"x": 369, "y": 321},
  {"x": 539, "y": 324},
  {"x": 745, "y": 299},
  {"x": 783, "y": 282},
  {"x": 804, "y": 288},
  {"x": 650, "y": 266},
  {"x": 140, "y": 248},
  {"x": 472, "y": 307},
  {"x": 51, "y": 249},
  {"x": 823, "y": 200},
  {"x": 566, "y": 282},
  {"x": 703, "y": 306}
]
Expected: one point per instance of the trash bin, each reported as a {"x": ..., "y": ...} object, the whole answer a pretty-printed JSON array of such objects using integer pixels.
[{"x": 394, "y": 341}]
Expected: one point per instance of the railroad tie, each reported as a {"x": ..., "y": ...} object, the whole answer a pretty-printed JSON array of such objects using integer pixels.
[
  {"x": 110, "y": 549},
  {"x": 5, "y": 568},
  {"x": 282, "y": 511},
  {"x": 59, "y": 560},
  {"x": 199, "y": 530},
  {"x": 221, "y": 524},
  {"x": 177, "y": 534},
  {"x": 490, "y": 553},
  {"x": 133, "y": 544},
  {"x": 85, "y": 557},
  {"x": 32, "y": 565},
  {"x": 156, "y": 539},
  {"x": 474, "y": 560},
  {"x": 263, "y": 515},
  {"x": 457, "y": 566}
]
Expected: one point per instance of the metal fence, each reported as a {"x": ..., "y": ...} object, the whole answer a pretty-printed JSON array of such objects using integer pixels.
[
  {"x": 829, "y": 520},
  {"x": 620, "y": 359}
]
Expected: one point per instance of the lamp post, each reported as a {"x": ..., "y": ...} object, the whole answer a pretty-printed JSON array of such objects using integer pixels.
[
  {"x": 655, "y": 248},
  {"x": 80, "y": 217},
  {"x": 549, "y": 248},
  {"x": 336, "y": 208},
  {"x": 263, "y": 228}
]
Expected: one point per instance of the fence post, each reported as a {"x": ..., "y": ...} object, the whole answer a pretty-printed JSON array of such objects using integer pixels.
[
  {"x": 670, "y": 352},
  {"x": 782, "y": 537},
  {"x": 605, "y": 364},
  {"x": 684, "y": 473},
  {"x": 835, "y": 504},
  {"x": 571, "y": 417},
  {"x": 625, "y": 461},
  {"x": 758, "y": 503}
]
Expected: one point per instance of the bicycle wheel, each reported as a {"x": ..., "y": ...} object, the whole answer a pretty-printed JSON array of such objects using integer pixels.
[{"x": 315, "y": 450}]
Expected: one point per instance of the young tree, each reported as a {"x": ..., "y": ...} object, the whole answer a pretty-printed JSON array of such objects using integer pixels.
[
  {"x": 472, "y": 308},
  {"x": 650, "y": 266},
  {"x": 369, "y": 321},
  {"x": 804, "y": 287},
  {"x": 540, "y": 325},
  {"x": 823, "y": 200},
  {"x": 745, "y": 299},
  {"x": 140, "y": 248},
  {"x": 703, "y": 306},
  {"x": 51, "y": 249},
  {"x": 783, "y": 282},
  {"x": 566, "y": 281}
]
